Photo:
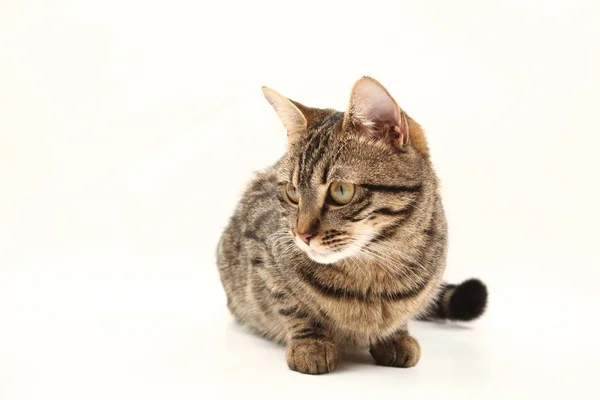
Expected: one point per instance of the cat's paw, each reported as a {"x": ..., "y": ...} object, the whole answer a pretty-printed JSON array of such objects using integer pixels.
[
  {"x": 402, "y": 351},
  {"x": 310, "y": 356}
]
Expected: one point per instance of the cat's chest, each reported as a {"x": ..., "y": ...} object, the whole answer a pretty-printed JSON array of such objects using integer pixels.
[
  {"x": 362, "y": 307},
  {"x": 374, "y": 317}
]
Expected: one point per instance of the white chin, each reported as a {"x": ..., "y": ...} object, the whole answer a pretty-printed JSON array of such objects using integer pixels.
[
  {"x": 325, "y": 256},
  {"x": 328, "y": 257}
]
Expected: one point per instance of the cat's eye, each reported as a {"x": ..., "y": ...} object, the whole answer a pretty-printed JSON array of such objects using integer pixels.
[
  {"x": 341, "y": 193},
  {"x": 291, "y": 193}
]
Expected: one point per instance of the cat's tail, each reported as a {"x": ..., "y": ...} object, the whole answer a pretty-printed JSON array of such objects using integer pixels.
[{"x": 463, "y": 302}]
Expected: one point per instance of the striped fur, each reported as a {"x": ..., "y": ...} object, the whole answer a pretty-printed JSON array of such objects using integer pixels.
[{"x": 391, "y": 240}]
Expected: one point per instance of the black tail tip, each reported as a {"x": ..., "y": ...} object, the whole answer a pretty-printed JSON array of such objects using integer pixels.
[{"x": 468, "y": 301}]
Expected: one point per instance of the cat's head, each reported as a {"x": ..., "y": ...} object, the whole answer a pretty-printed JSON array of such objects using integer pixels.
[{"x": 350, "y": 179}]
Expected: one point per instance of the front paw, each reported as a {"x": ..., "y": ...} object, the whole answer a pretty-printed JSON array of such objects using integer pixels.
[
  {"x": 310, "y": 356},
  {"x": 402, "y": 351}
]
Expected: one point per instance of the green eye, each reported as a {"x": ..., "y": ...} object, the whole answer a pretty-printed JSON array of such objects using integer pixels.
[
  {"x": 341, "y": 192},
  {"x": 292, "y": 193}
]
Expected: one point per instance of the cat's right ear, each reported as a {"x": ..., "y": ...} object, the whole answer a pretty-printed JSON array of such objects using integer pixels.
[{"x": 289, "y": 112}]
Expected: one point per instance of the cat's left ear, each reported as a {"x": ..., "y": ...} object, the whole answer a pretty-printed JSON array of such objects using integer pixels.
[
  {"x": 293, "y": 115},
  {"x": 373, "y": 111}
]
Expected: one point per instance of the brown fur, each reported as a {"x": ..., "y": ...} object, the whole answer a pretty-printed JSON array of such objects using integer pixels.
[
  {"x": 312, "y": 356},
  {"x": 401, "y": 351},
  {"x": 370, "y": 265},
  {"x": 417, "y": 137}
]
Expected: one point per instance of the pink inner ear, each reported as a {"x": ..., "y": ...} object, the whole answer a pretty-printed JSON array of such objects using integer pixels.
[
  {"x": 373, "y": 103},
  {"x": 377, "y": 112}
]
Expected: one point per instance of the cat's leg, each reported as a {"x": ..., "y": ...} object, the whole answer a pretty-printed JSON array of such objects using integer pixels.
[
  {"x": 310, "y": 346},
  {"x": 400, "y": 350}
]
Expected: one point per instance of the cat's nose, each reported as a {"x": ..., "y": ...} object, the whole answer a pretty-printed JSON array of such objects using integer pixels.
[
  {"x": 305, "y": 237},
  {"x": 307, "y": 228}
]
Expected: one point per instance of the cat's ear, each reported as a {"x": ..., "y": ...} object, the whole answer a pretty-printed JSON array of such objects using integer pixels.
[
  {"x": 373, "y": 111},
  {"x": 292, "y": 114}
]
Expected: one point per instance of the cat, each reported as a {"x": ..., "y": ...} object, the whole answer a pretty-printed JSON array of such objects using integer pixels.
[{"x": 343, "y": 240}]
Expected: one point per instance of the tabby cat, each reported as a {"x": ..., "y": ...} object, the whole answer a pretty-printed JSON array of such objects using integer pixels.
[{"x": 343, "y": 240}]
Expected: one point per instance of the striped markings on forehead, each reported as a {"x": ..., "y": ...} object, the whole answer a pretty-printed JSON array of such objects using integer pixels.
[{"x": 315, "y": 148}]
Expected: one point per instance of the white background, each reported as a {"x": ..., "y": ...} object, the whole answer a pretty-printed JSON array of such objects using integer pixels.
[{"x": 128, "y": 129}]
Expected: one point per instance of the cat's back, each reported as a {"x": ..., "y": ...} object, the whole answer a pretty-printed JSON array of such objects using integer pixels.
[{"x": 245, "y": 239}]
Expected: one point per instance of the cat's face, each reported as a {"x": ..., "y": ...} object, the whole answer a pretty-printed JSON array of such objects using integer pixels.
[
  {"x": 342, "y": 190},
  {"x": 350, "y": 179}
]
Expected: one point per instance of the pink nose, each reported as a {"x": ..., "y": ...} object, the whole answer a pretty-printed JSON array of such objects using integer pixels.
[
  {"x": 305, "y": 237},
  {"x": 307, "y": 229}
]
